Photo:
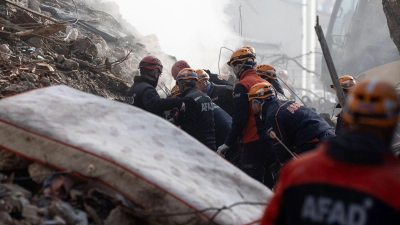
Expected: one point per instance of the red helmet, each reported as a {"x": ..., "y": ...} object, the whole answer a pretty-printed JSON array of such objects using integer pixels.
[
  {"x": 178, "y": 66},
  {"x": 151, "y": 62}
]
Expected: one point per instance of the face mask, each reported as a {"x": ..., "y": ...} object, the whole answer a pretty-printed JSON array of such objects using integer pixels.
[{"x": 152, "y": 76}]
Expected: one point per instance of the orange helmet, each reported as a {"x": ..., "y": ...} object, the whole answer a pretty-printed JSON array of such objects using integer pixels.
[
  {"x": 178, "y": 66},
  {"x": 251, "y": 49},
  {"x": 374, "y": 103},
  {"x": 175, "y": 91},
  {"x": 202, "y": 75},
  {"x": 261, "y": 90},
  {"x": 266, "y": 70},
  {"x": 240, "y": 55},
  {"x": 347, "y": 82},
  {"x": 186, "y": 74}
]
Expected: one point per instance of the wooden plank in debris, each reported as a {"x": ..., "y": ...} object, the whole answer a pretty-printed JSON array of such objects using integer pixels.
[
  {"x": 29, "y": 10},
  {"x": 48, "y": 30},
  {"x": 24, "y": 20}
]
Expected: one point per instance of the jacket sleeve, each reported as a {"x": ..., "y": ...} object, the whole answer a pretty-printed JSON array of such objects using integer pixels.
[
  {"x": 228, "y": 93},
  {"x": 240, "y": 114},
  {"x": 156, "y": 105},
  {"x": 188, "y": 119},
  {"x": 277, "y": 125}
]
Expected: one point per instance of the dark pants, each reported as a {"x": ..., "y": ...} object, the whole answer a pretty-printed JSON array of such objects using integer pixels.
[
  {"x": 256, "y": 159},
  {"x": 233, "y": 154}
]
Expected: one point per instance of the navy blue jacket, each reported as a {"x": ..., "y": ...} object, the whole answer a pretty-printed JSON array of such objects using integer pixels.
[
  {"x": 294, "y": 124},
  {"x": 222, "y": 95},
  {"x": 144, "y": 95},
  {"x": 223, "y": 122},
  {"x": 198, "y": 118}
]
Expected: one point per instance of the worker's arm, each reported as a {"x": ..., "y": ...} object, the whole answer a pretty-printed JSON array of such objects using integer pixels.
[
  {"x": 157, "y": 105},
  {"x": 275, "y": 122},
  {"x": 240, "y": 114}
]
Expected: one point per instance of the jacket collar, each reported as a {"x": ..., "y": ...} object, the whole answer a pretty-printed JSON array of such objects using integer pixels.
[{"x": 358, "y": 147}]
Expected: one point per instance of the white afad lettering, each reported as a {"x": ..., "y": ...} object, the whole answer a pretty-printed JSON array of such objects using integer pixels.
[
  {"x": 203, "y": 107},
  {"x": 207, "y": 106},
  {"x": 325, "y": 210}
]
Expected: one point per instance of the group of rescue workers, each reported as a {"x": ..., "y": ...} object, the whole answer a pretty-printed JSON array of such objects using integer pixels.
[{"x": 348, "y": 178}]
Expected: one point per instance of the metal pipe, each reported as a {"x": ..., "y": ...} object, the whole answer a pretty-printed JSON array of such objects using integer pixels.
[{"x": 330, "y": 64}]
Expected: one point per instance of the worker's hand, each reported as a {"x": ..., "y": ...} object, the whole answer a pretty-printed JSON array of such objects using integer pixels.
[{"x": 222, "y": 149}]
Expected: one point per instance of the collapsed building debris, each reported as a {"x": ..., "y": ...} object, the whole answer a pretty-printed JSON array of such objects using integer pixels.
[
  {"x": 78, "y": 45},
  {"x": 46, "y": 43}
]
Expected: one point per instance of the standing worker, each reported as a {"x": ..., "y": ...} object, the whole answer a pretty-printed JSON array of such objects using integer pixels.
[
  {"x": 197, "y": 119},
  {"x": 352, "y": 179},
  {"x": 143, "y": 92},
  {"x": 245, "y": 123},
  {"x": 347, "y": 83},
  {"x": 221, "y": 95},
  {"x": 178, "y": 66}
]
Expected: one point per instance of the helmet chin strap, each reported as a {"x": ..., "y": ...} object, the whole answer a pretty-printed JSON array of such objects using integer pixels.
[{"x": 237, "y": 72}]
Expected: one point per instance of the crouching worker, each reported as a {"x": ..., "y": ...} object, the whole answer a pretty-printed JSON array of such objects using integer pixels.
[
  {"x": 299, "y": 128},
  {"x": 352, "y": 179}
]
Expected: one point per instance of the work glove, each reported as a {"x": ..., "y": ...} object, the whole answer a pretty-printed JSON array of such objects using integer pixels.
[
  {"x": 173, "y": 116},
  {"x": 222, "y": 149}
]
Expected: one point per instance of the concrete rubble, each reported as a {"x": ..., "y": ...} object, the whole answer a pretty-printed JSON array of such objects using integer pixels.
[{"x": 45, "y": 43}]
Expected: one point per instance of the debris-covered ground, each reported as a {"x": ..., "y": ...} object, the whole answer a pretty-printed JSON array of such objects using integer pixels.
[
  {"x": 67, "y": 42},
  {"x": 45, "y": 43}
]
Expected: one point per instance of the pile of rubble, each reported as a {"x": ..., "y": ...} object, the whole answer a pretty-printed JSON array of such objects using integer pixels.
[
  {"x": 45, "y": 43},
  {"x": 68, "y": 42},
  {"x": 37, "y": 195}
]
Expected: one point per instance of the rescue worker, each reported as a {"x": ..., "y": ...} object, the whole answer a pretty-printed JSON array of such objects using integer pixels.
[
  {"x": 352, "y": 179},
  {"x": 268, "y": 73},
  {"x": 143, "y": 92},
  {"x": 197, "y": 119},
  {"x": 255, "y": 153},
  {"x": 297, "y": 126},
  {"x": 347, "y": 83},
  {"x": 182, "y": 64},
  {"x": 251, "y": 49},
  {"x": 178, "y": 66},
  {"x": 222, "y": 120},
  {"x": 221, "y": 95},
  {"x": 284, "y": 78}
]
